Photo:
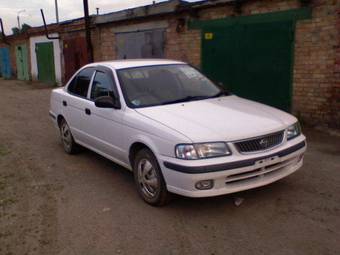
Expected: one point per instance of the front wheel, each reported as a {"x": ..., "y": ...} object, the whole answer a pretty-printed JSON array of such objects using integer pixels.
[{"x": 149, "y": 179}]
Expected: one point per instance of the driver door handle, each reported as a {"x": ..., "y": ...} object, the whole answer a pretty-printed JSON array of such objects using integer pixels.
[{"x": 87, "y": 111}]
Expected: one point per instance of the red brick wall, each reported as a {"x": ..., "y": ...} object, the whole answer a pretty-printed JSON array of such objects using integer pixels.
[
  {"x": 314, "y": 80},
  {"x": 335, "y": 101},
  {"x": 103, "y": 40},
  {"x": 184, "y": 45}
]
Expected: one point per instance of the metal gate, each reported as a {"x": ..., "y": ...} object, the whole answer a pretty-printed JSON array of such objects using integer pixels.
[
  {"x": 45, "y": 62},
  {"x": 143, "y": 44},
  {"x": 22, "y": 62},
  {"x": 252, "y": 60},
  {"x": 5, "y": 63},
  {"x": 75, "y": 55}
]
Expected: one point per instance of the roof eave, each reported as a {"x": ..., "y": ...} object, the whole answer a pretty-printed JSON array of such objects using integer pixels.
[{"x": 162, "y": 8}]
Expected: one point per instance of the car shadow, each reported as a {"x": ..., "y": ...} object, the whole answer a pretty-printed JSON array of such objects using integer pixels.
[{"x": 268, "y": 193}]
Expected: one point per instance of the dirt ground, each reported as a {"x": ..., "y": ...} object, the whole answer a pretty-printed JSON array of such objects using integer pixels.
[{"x": 53, "y": 203}]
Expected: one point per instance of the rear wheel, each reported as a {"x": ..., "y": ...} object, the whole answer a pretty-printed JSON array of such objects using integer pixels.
[
  {"x": 69, "y": 144},
  {"x": 149, "y": 179}
]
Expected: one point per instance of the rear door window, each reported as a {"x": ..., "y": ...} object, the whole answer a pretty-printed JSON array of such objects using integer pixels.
[{"x": 79, "y": 86}]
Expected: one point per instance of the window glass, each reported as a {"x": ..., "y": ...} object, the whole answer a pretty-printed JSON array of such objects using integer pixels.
[
  {"x": 101, "y": 86},
  {"x": 80, "y": 84},
  {"x": 165, "y": 84}
]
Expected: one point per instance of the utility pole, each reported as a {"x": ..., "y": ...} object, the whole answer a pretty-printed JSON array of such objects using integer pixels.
[
  {"x": 56, "y": 11},
  {"x": 88, "y": 31}
]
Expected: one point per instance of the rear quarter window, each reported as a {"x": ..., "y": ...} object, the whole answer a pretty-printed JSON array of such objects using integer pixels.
[{"x": 79, "y": 86}]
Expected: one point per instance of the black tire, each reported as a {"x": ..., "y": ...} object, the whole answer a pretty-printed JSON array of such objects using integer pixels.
[
  {"x": 70, "y": 146},
  {"x": 151, "y": 185}
]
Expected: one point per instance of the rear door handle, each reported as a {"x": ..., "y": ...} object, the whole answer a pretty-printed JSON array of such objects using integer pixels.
[
  {"x": 64, "y": 103},
  {"x": 87, "y": 111}
]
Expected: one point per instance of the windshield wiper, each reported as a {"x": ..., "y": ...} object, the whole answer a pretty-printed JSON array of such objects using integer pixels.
[
  {"x": 194, "y": 98},
  {"x": 221, "y": 93},
  {"x": 186, "y": 99}
]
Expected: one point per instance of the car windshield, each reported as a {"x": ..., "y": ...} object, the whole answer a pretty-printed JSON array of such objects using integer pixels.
[{"x": 165, "y": 84}]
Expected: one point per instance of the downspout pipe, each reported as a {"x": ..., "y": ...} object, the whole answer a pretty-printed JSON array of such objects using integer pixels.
[
  {"x": 46, "y": 30},
  {"x": 88, "y": 31},
  {"x": 3, "y": 32}
]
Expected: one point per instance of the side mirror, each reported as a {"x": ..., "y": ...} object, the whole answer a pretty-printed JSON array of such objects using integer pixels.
[{"x": 107, "y": 102}]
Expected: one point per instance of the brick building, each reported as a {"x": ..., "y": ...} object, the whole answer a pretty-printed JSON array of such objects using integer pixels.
[
  {"x": 53, "y": 58},
  {"x": 285, "y": 53},
  {"x": 306, "y": 50}
]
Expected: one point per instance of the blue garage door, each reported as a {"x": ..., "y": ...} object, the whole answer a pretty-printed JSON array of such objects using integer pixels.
[{"x": 5, "y": 64}]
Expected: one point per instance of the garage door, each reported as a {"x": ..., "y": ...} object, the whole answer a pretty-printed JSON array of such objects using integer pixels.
[
  {"x": 5, "y": 64},
  {"x": 252, "y": 60},
  {"x": 143, "y": 44},
  {"x": 22, "y": 62},
  {"x": 45, "y": 62},
  {"x": 75, "y": 55}
]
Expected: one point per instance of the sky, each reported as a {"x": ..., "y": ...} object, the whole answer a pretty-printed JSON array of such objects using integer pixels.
[{"x": 68, "y": 9}]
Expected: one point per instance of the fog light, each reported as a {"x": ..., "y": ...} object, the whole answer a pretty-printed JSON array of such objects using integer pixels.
[{"x": 205, "y": 184}]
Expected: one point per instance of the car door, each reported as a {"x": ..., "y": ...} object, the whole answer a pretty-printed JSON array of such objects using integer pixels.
[
  {"x": 104, "y": 125},
  {"x": 75, "y": 103}
]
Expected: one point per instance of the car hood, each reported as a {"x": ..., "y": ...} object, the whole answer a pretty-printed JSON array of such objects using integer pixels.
[{"x": 219, "y": 119}]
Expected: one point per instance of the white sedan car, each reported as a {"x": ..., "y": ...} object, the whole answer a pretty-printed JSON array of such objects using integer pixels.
[{"x": 175, "y": 129}]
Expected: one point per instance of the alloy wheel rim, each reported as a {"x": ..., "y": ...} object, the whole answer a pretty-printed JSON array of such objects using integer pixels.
[{"x": 147, "y": 178}]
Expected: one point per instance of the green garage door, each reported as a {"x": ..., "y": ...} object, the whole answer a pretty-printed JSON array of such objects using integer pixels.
[
  {"x": 45, "y": 62},
  {"x": 22, "y": 62},
  {"x": 252, "y": 60}
]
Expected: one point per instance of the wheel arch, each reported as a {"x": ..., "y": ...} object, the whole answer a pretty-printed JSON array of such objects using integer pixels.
[
  {"x": 60, "y": 117},
  {"x": 137, "y": 146}
]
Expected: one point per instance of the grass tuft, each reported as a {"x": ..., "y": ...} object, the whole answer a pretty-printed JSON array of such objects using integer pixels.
[{"x": 3, "y": 151}]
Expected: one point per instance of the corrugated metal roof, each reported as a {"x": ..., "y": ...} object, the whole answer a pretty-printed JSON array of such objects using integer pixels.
[
  {"x": 161, "y": 8},
  {"x": 154, "y": 9}
]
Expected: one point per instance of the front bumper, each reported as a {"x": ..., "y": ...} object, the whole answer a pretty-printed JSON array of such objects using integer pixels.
[{"x": 245, "y": 173}]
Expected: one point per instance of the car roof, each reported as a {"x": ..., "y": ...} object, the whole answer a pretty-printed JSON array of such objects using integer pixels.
[{"x": 127, "y": 63}]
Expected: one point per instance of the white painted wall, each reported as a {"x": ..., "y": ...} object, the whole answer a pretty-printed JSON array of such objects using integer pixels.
[{"x": 57, "y": 56}]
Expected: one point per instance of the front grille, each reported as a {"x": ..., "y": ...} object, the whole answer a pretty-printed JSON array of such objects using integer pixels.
[{"x": 260, "y": 143}]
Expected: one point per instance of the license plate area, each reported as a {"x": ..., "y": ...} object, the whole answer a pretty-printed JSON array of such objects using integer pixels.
[{"x": 267, "y": 161}]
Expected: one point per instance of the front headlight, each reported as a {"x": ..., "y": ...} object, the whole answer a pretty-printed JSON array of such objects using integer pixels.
[
  {"x": 202, "y": 150},
  {"x": 293, "y": 131},
  {"x": 186, "y": 151}
]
